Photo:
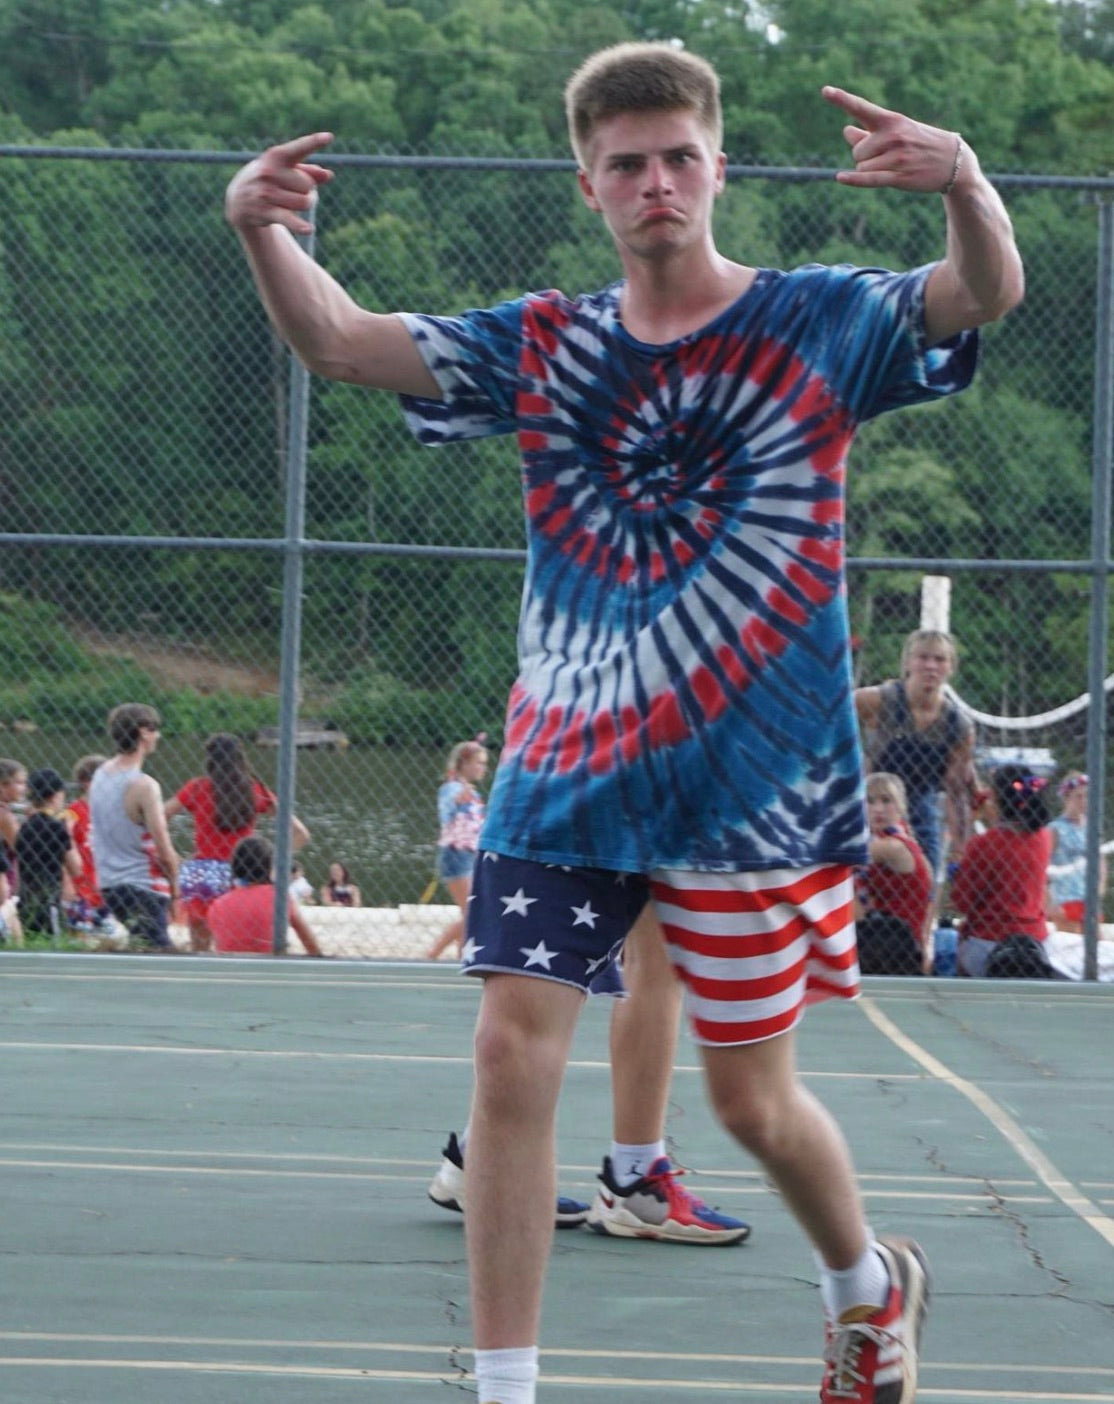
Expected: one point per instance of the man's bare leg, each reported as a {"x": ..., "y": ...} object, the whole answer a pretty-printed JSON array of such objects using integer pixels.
[
  {"x": 523, "y": 1035},
  {"x": 644, "y": 1036},
  {"x": 757, "y": 1095}
]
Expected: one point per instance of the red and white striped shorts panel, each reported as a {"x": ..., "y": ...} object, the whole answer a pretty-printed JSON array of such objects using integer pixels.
[{"x": 753, "y": 948}]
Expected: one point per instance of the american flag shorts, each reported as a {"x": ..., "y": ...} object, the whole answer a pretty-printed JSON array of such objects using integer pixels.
[{"x": 750, "y": 948}]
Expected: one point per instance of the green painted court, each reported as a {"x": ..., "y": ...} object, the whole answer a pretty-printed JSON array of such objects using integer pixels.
[{"x": 215, "y": 1179}]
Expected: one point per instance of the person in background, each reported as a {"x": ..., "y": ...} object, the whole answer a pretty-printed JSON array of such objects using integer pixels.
[
  {"x": 1000, "y": 886},
  {"x": 242, "y": 919},
  {"x": 136, "y": 864},
  {"x": 1067, "y": 871},
  {"x": 460, "y": 812},
  {"x": 11, "y": 931},
  {"x": 301, "y": 889},
  {"x": 340, "y": 890},
  {"x": 13, "y": 791},
  {"x": 913, "y": 730},
  {"x": 85, "y": 906},
  {"x": 224, "y": 803},
  {"x": 893, "y": 892},
  {"x": 46, "y": 853}
]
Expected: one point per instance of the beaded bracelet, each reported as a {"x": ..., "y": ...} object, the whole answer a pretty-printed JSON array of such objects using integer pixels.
[{"x": 950, "y": 186}]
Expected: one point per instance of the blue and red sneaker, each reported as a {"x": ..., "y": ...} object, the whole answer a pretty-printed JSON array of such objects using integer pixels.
[{"x": 657, "y": 1207}]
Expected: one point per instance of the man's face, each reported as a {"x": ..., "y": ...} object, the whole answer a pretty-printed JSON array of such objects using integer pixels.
[
  {"x": 654, "y": 178},
  {"x": 929, "y": 666}
]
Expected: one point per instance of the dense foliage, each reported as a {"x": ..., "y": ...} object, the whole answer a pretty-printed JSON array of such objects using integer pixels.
[{"x": 139, "y": 393}]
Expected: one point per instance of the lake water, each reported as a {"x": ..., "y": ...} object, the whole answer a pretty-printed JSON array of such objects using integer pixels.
[{"x": 371, "y": 808}]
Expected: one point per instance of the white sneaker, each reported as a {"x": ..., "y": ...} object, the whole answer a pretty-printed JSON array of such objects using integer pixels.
[{"x": 447, "y": 1189}]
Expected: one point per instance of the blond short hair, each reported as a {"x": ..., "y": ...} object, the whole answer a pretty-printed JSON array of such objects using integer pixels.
[
  {"x": 883, "y": 785},
  {"x": 640, "y": 78},
  {"x": 929, "y": 638}
]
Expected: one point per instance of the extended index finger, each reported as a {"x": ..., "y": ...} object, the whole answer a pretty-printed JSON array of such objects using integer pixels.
[
  {"x": 867, "y": 114},
  {"x": 293, "y": 153}
]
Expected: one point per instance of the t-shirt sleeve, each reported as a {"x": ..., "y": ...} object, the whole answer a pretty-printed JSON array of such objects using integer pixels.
[
  {"x": 474, "y": 359},
  {"x": 187, "y": 795},
  {"x": 265, "y": 800},
  {"x": 871, "y": 325},
  {"x": 448, "y": 797}
]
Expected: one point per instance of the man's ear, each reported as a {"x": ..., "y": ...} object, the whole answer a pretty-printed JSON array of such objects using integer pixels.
[
  {"x": 586, "y": 190},
  {"x": 721, "y": 172}
]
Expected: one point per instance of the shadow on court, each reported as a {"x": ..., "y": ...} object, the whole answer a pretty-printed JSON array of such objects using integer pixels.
[{"x": 215, "y": 1180}]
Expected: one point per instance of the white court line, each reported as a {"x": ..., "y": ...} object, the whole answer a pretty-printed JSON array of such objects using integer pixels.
[
  {"x": 367, "y": 1176},
  {"x": 320, "y": 1055},
  {"x": 594, "y": 1382},
  {"x": 1026, "y": 1148},
  {"x": 317, "y": 1157}
]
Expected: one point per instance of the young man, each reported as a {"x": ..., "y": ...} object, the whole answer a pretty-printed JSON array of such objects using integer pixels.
[
  {"x": 682, "y": 725},
  {"x": 136, "y": 863}
]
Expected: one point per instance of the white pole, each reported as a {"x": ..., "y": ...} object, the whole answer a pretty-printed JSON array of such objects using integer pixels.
[{"x": 936, "y": 603}]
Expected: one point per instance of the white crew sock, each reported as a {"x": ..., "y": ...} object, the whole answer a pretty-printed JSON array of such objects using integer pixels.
[
  {"x": 864, "y": 1283},
  {"x": 507, "y": 1376},
  {"x": 630, "y": 1163}
]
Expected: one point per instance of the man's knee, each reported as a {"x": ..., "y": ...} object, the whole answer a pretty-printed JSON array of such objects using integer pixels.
[{"x": 523, "y": 1033}]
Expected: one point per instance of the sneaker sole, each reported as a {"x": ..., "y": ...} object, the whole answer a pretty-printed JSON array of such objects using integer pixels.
[
  {"x": 623, "y": 1225},
  {"x": 917, "y": 1286}
]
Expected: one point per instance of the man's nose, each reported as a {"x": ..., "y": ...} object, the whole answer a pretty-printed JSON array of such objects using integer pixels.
[{"x": 658, "y": 175}]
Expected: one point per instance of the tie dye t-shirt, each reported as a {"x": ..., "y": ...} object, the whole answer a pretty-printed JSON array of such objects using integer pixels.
[{"x": 684, "y": 693}]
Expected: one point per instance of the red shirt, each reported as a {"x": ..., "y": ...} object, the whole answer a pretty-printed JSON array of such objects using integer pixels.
[
  {"x": 241, "y": 920},
  {"x": 197, "y": 797},
  {"x": 85, "y": 884},
  {"x": 1000, "y": 886},
  {"x": 904, "y": 895}
]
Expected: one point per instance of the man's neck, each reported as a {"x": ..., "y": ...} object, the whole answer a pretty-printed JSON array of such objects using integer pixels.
[
  {"x": 664, "y": 300},
  {"x": 128, "y": 760}
]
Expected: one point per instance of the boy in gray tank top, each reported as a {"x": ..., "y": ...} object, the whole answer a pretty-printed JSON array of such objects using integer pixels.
[{"x": 135, "y": 860}]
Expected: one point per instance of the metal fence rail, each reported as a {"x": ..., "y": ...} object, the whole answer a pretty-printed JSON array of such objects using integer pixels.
[{"x": 185, "y": 520}]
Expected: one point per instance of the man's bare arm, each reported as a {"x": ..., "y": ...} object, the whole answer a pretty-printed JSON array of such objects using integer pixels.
[
  {"x": 331, "y": 334},
  {"x": 149, "y": 805},
  {"x": 981, "y": 276}
]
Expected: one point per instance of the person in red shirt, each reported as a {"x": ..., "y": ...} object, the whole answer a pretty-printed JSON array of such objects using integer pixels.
[
  {"x": 242, "y": 920},
  {"x": 893, "y": 891},
  {"x": 225, "y": 803},
  {"x": 85, "y": 907},
  {"x": 1000, "y": 888}
]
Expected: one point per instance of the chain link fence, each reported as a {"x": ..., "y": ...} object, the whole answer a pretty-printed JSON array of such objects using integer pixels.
[{"x": 160, "y": 545}]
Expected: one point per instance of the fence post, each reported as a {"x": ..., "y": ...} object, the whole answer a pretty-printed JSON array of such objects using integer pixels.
[
  {"x": 1102, "y": 462},
  {"x": 293, "y": 570}
]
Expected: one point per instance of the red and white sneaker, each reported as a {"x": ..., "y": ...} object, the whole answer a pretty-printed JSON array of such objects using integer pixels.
[
  {"x": 871, "y": 1356},
  {"x": 657, "y": 1207}
]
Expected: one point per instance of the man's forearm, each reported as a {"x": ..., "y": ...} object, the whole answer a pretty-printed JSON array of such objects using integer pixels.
[
  {"x": 307, "y": 307},
  {"x": 981, "y": 252}
]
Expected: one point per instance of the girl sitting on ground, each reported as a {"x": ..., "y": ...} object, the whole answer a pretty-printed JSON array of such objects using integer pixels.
[{"x": 893, "y": 892}]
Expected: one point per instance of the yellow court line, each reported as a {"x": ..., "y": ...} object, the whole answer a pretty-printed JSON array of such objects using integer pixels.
[
  {"x": 595, "y": 1382},
  {"x": 1026, "y": 1148},
  {"x": 691, "y": 1357}
]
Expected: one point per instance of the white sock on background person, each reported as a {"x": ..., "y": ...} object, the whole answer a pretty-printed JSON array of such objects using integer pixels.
[
  {"x": 507, "y": 1376},
  {"x": 630, "y": 1163}
]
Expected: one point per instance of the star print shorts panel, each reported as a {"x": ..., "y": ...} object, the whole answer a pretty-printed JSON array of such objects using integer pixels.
[
  {"x": 752, "y": 949},
  {"x": 558, "y": 923}
]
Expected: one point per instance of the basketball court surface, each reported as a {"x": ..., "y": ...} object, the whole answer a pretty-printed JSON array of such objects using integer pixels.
[{"x": 215, "y": 1182}]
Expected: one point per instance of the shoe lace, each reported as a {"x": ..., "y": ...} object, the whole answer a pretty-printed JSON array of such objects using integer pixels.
[
  {"x": 675, "y": 1192},
  {"x": 844, "y": 1358}
]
